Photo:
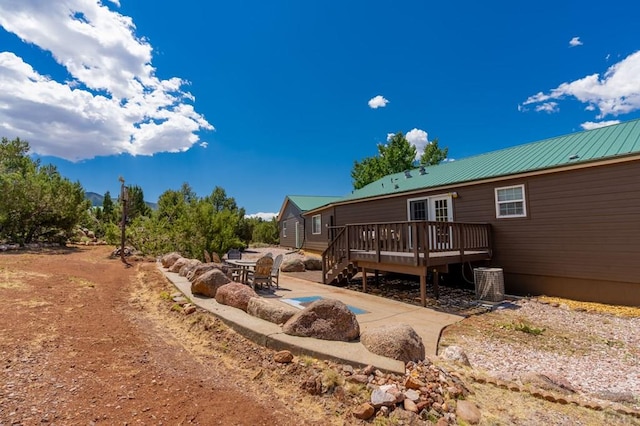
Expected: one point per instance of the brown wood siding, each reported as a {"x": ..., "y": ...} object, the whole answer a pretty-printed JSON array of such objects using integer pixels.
[
  {"x": 580, "y": 225},
  {"x": 318, "y": 242}
]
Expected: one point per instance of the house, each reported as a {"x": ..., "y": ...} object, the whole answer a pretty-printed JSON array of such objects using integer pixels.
[
  {"x": 291, "y": 223},
  {"x": 560, "y": 216}
]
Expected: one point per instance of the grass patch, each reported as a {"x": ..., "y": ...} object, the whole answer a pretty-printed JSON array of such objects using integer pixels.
[
  {"x": 523, "y": 326},
  {"x": 616, "y": 310}
]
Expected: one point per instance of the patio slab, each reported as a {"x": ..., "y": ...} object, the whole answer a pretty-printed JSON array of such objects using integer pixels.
[{"x": 377, "y": 311}]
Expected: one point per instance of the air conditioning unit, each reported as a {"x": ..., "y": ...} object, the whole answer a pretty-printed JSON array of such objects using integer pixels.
[{"x": 489, "y": 283}]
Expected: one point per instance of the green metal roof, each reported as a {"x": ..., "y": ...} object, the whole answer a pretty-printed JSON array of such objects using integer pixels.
[
  {"x": 310, "y": 202},
  {"x": 582, "y": 147}
]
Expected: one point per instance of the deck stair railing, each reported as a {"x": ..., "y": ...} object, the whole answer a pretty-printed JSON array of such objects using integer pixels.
[
  {"x": 417, "y": 239},
  {"x": 336, "y": 265}
]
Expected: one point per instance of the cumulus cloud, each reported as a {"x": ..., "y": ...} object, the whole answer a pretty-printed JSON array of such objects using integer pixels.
[
  {"x": 262, "y": 215},
  {"x": 596, "y": 125},
  {"x": 378, "y": 102},
  {"x": 614, "y": 93},
  {"x": 548, "y": 107},
  {"x": 419, "y": 139},
  {"x": 575, "y": 42},
  {"x": 111, "y": 101}
]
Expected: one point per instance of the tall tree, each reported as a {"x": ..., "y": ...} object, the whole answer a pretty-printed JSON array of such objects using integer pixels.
[
  {"x": 37, "y": 203},
  {"x": 433, "y": 154},
  {"x": 393, "y": 157},
  {"x": 136, "y": 206},
  {"x": 107, "y": 207}
]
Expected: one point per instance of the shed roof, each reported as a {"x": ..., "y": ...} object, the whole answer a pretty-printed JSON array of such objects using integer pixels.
[
  {"x": 587, "y": 146},
  {"x": 307, "y": 202}
]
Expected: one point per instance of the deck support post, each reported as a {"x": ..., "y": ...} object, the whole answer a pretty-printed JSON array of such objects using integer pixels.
[
  {"x": 423, "y": 290},
  {"x": 436, "y": 283},
  {"x": 377, "y": 276},
  {"x": 364, "y": 280}
]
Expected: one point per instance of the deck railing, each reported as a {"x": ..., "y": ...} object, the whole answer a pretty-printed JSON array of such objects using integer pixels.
[{"x": 419, "y": 238}]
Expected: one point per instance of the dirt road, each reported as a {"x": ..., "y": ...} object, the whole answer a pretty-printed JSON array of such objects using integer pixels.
[{"x": 77, "y": 348}]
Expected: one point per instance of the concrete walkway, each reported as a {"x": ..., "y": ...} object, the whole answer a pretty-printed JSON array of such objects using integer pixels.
[{"x": 377, "y": 312}]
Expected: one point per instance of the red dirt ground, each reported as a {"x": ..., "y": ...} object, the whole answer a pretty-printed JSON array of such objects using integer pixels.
[{"x": 75, "y": 349}]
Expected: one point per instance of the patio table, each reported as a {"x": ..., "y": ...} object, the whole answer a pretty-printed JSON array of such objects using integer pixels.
[{"x": 243, "y": 267}]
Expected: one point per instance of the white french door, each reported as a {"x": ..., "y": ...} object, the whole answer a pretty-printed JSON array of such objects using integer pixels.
[
  {"x": 438, "y": 209},
  {"x": 441, "y": 211}
]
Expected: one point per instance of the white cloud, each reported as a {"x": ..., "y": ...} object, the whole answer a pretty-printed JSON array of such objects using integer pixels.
[
  {"x": 616, "y": 92},
  {"x": 112, "y": 101},
  {"x": 592, "y": 125},
  {"x": 419, "y": 139},
  {"x": 262, "y": 215},
  {"x": 378, "y": 102},
  {"x": 549, "y": 107},
  {"x": 575, "y": 42}
]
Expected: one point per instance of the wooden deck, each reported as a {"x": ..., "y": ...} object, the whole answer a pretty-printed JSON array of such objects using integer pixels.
[{"x": 413, "y": 247}]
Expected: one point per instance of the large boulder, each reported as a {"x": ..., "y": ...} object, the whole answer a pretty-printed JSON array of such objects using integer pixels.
[
  {"x": 178, "y": 264},
  {"x": 215, "y": 258},
  {"x": 236, "y": 295},
  {"x": 206, "y": 267},
  {"x": 189, "y": 266},
  {"x": 208, "y": 283},
  {"x": 169, "y": 259},
  {"x": 277, "y": 313},
  {"x": 292, "y": 265},
  {"x": 312, "y": 264},
  {"x": 327, "y": 319},
  {"x": 397, "y": 341}
]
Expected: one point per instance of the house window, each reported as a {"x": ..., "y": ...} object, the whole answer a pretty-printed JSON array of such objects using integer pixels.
[
  {"x": 510, "y": 202},
  {"x": 316, "y": 223},
  {"x": 284, "y": 229}
]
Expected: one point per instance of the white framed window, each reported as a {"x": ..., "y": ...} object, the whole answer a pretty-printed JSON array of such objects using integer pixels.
[
  {"x": 316, "y": 224},
  {"x": 284, "y": 229},
  {"x": 510, "y": 202}
]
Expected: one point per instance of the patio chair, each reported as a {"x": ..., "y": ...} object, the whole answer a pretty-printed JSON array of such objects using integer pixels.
[
  {"x": 234, "y": 254},
  {"x": 261, "y": 274},
  {"x": 275, "y": 270}
]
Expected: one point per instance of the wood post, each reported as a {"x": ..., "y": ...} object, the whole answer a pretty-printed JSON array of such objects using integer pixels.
[
  {"x": 364, "y": 280},
  {"x": 436, "y": 283},
  {"x": 423, "y": 290}
]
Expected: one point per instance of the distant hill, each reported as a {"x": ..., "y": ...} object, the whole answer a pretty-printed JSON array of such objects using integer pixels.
[{"x": 96, "y": 200}]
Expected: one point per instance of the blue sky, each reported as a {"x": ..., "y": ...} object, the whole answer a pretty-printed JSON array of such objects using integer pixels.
[{"x": 267, "y": 99}]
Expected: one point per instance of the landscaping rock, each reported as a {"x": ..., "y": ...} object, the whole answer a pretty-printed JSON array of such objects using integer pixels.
[
  {"x": 326, "y": 319},
  {"x": 397, "y": 341},
  {"x": 178, "y": 264},
  {"x": 235, "y": 294},
  {"x": 468, "y": 412},
  {"x": 169, "y": 259},
  {"x": 189, "y": 266},
  {"x": 386, "y": 395},
  {"x": 364, "y": 411},
  {"x": 283, "y": 357},
  {"x": 292, "y": 265},
  {"x": 312, "y": 264},
  {"x": 202, "y": 268},
  {"x": 456, "y": 353},
  {"x": 209, "y": 283},
  {"x": 269, "y": 311},
  {"x": 548, "y": 382}
]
